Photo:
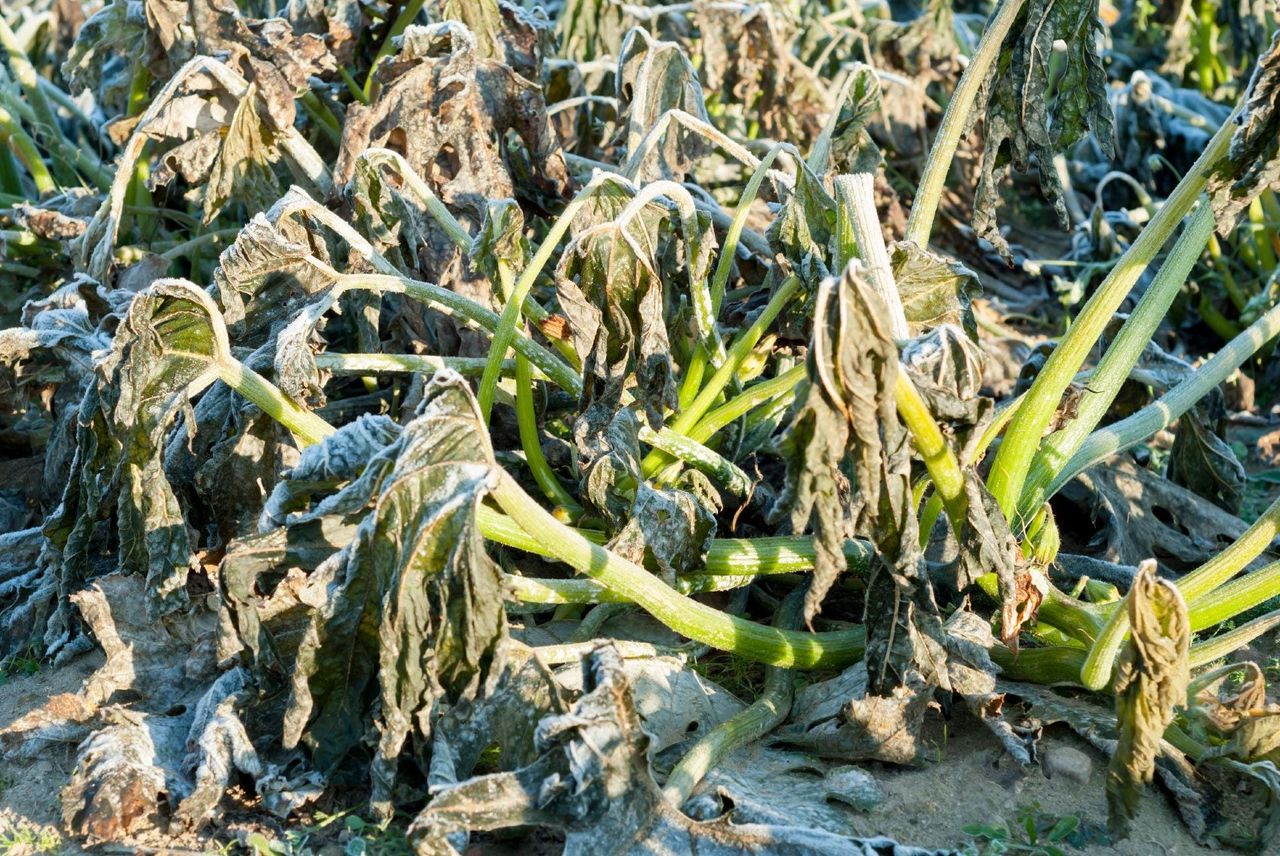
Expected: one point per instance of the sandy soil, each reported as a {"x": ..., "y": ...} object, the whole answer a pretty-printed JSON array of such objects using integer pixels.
[{"x": 972, "y": 784}]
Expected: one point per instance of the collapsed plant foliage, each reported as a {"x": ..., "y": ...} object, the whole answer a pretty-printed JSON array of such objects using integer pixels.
[{"x": 410, "y": 379}]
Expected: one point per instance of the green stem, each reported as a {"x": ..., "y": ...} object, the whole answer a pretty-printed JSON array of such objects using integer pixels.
[
  {"x": 1204, "y": 653},
  {"x": 509, "y": 321},
  {"x": 685, "y": 616},
  {"x": 939, "y": 460},
  {"x": 409, "y": 11},
  {"x": 46, "y": 124},
  {"x": 746, "y": 401},
  {"x": 736, "y": 356},
  {"x": 1194, "y": 587},
  {"x": 1235, "y": 597},
  {"x": 12, "y": 132},
  {"x": 747, "y": 726},
  {"x": 856, "y": 213},
  {"x": 527, "y": 422},
  {"x": 719, "y": 279},
  {"x": 954, "y": 121},
  {"x": 305, "y": 425},
  {"x": 1122, "y": 355},
  {"x": 1161, "y": 413},
  {"x": 1013, "y": 460},
  {"x": 719, "y": 468},
  {"x": 365, "y": 364},
  {"x": 726, "y": 557},
  {"x": 447, "y": 301},
  {"x": 580, "y": 591},
  {"x": 323, "y": 116}
]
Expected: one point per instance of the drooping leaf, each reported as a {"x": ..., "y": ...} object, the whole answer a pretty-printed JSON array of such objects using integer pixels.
[
  {"x": 1253, "y": 163},
  {"x": 610, "y": 286},
  {"x": 447, "y": 109},
  {"x": 242, "y": 171},
  {"x": 1024, "y": 120},
  {"x": 934, "y": 289},
  {"x": 416, "y": 615},
  {"x": 654, "y": 77},
  {"x": 1152, "y": 674}
]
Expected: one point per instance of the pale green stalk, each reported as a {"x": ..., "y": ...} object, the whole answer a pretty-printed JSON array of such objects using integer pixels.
[
  {"x": 688, "y": 617},
  {"x": 509, "y": 321},
  {"x": 1161, "y": 413},
  {"x": 365, "y": 364},
  {"x": 747, "y": 726},
  {"x": 1022, "y": 439},
  {"x": 1116, "y": 365},
  {"x": 1195, "y": 586}
]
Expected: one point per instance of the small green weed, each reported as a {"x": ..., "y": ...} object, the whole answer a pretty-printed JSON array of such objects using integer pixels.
[{"x": 1032, "y": 833}]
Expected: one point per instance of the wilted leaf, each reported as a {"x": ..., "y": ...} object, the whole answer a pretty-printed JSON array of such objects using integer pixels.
[
  {"x": 934, "y": 289},
  {"x": 242, "y": 171},
  {"x": 1202, "y": 461},
  {"x": 654, "y": 77},
  {"x": 1253, "y": 163},
  {"x": 416, "y": 615},
  {"x": 1152, "y": 673},
  {"x": 1022, "y": 121},
  {"x": 446, "y": 109}
]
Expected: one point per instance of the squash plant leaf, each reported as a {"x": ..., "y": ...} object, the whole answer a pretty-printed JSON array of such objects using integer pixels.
[
  {"x": 1253, "y": 163},
  {"x": 1029, "y": 116},
  {"x": 416, "y": 616}
]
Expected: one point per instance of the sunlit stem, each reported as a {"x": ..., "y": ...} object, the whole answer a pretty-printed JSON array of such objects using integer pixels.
[
  {"x": 734, "y": 557},
  {"x": 1204, "y": 653},
  {"x": 1115, "y": 366},
  {"x": 1161, "y": 413},
  {"x": 1013, "y": 460},
  {"x": 685, "y": 616},
  {"x": 747, "y": 726},
  {"x": 698, "y": 363},
  {"x": 306, "y": 426},
  {"x": 1194, "y": 587},
  {"x": 505, "y": 330},
  {"x": 527, "y": 422}
]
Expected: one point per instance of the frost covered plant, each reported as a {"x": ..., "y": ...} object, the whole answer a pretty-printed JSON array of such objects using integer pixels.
[{"x": 407, "y": 382}]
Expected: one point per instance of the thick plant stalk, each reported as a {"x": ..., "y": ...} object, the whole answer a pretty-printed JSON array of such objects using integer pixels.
[
  {"x": 1204, "y": 653},
  {"x": 732, "y": 557},
  {"x": 1236, "y": 597},
  {"x": 856, "y": 214},
  {"x": 954, "y": 121},
  {"x": 939, "y": 460},
  {"x": 746, "y": 401},
  {"x": 764, "y": 715},
  {"x": 363, "y": 364},
  {"x": 687, "y": 617},
  {"x": 1177, "y": 401},
  {"x": 555, "y": 592},
  {"x": 1013, "y": 460},
  {"x": 1120, "y": 358},
  {"x": 24, "y": 148},
  {"x": 305, "y": 425}
]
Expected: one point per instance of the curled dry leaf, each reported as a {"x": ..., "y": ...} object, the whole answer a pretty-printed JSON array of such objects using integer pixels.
[{"x": 1152, "y": 674}]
